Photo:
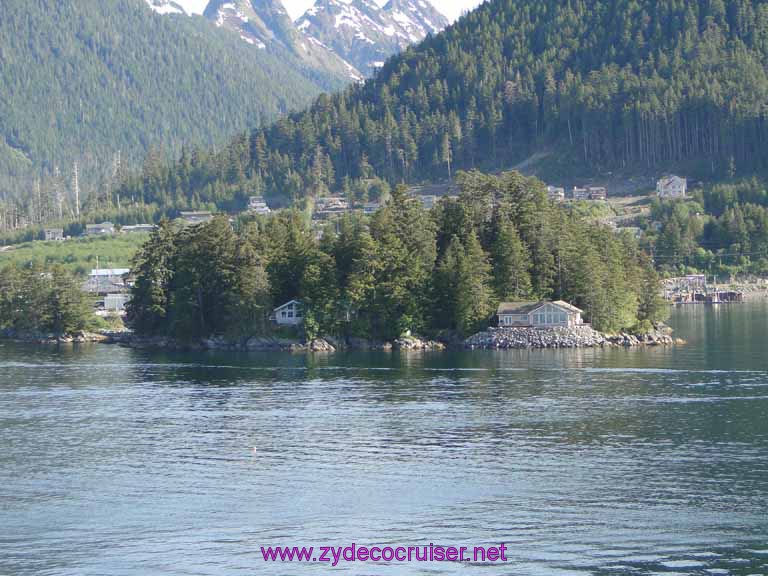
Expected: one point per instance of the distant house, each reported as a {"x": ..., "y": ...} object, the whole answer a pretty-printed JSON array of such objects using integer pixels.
[
  {"x": 592, "y": 193},
  {"x": 330, "y": 206},
  {"x": 258, "y": 205},
  {"x": 289, "y": 314},
  {"x": 115, "y": 302},
  {"x": 107, "y": 280},
  {"x": 103, "y": 229},
  {"x": 556, "y": 194},
  {"x": 543, "y": 314},
  {"x": 138, "y": 229},
  {"x": 196, "y": 217},
  {"x": 672, "y": 187},
  {"x": 54, "y": 234}
]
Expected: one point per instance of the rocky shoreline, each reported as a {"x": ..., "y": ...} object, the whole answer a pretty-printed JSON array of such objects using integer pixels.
[
  {"x": 491, "y": 339},
  {"x": 564, "y": 337},
  {"x": 272, "y": 344}
]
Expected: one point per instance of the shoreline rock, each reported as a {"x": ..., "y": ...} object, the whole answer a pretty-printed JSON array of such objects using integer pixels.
[
  {"x": 561, "y": 337},
  {"x": 80, "y": 337}
]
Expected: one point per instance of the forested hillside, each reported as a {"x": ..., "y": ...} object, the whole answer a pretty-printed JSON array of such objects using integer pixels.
[
  {"x": 82, "y": 81},
  {"x": 605, "y": 83}
]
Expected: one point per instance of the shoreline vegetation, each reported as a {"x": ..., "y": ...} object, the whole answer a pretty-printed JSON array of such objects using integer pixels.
[{"x": 439, "y": 273}]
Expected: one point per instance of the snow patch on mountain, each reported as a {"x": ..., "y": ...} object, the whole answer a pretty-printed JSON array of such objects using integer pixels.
[{"x": 188, "y": 7}]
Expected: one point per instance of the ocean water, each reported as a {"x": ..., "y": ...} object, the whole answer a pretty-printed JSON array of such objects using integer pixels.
[{"x": 605, "y": 462}]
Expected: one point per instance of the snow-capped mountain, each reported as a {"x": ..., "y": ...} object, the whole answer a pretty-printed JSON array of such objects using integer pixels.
[
  {"x": 266, "y": 23},
  {"x": 365, "y": 34},
  {"x": 346, "y": 38}
]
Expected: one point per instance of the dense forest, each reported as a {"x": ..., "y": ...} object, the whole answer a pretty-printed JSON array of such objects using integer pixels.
[
  {"x": 404, "y": 268},
  {"x": 35, "y": 300},
  {"x": 608, "y": 83},
  {"x": 98, "y": 83},
  {"x": 723, "y": 231}
]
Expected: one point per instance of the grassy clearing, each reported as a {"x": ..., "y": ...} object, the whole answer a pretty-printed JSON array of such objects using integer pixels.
[{"x": 78, "y": 255}]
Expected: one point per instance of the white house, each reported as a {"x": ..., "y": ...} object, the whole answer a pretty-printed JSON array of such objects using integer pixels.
[
  {"x": 258, "y": 205},
  {"x": 672, "y": 187},
  {"x": 542, "y": 314},
  {"x": 289, "y": 314}
]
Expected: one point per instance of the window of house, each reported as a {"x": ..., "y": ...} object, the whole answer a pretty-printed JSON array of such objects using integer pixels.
[
  {"x": 290, "y": 313},
  {"x": 283, "y": 314}
]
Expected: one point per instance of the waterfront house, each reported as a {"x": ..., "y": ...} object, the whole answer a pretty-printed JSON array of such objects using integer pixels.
[
  {"x": 542, "y": 314},
  {"x": 289, "y": 314},
  {"x": 54, "y": 234},
  {"x": 672, "y": 187},
  {"x": 107, "y": 280},
  {"x": 103, "y": 229}
]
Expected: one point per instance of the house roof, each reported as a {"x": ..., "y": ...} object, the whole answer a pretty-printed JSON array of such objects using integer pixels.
[
  {"x": 109, "y": 272},
  {"x": 517, "y": 307},
  {"x": 528, "y": 307},
  {"x": 286, "y": 305}
]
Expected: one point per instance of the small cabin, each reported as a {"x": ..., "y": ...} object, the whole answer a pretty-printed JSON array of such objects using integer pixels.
[
  {"x": 543, "y": 314},
  {"x": 289, "y": 314}
]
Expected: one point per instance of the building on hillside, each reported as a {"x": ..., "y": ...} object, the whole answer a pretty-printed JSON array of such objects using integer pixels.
[
  {"x": 591, "y": 193},
  {"x": 289, "y": 314},
  {"x": 556, "y": 194},
  {"x": 107, "y": 281},
  {"x": 598, "y": 193},
  {"x": 257, "y": 205},
  {"x": 103, "y": 229},
  {"x": 330, "y": 206},
  {"x": 138, "y": 229},
  {"x": 54, "y": 234},
  {"x": 672, "y": 187},
  {"x": 195, "y": 217},
  {"x": 542, "y": 314},
  {"x": 115, "y": 302}
]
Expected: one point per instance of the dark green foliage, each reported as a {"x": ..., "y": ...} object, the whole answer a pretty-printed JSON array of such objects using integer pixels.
[
  {"x": 723, "y": 230},
  {"x": 35, "y": 301},
  {"x": 84, "y": 80},
  {"x": 402, "y": 269}
]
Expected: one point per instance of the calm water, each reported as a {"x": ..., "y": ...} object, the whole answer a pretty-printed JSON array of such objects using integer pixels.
[{"x": 120, "y": 462}]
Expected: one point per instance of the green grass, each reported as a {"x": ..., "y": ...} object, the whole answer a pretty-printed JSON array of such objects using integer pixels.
[{"x": 79, "y": 255}]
